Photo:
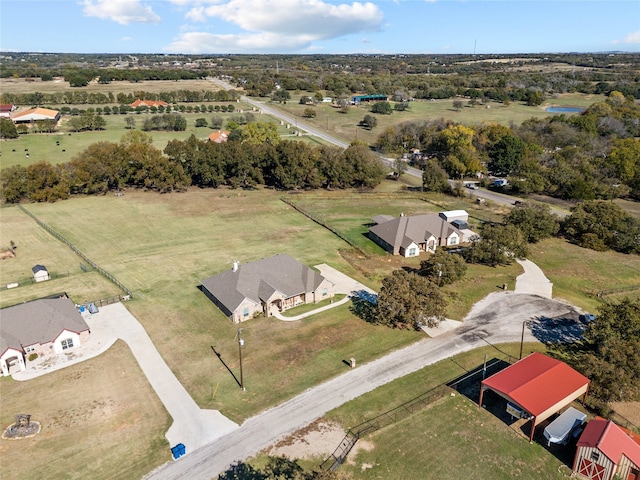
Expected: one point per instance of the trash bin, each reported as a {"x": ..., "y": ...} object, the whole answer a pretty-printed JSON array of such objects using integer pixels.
[{"x": 178, "y": 451}]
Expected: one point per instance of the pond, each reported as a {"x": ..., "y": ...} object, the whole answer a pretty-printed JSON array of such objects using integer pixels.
[{"x": 564, "y": 109}]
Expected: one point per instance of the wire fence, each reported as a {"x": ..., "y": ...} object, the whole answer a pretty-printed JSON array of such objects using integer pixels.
[{"x": 75, "y": 249}]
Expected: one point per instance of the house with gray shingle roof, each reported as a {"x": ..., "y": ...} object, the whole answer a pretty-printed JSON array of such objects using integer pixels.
[
  {"x": 280, "y": 282},
  {"x": 409, "y": 235},
  {"x": 48, "y": 326}
]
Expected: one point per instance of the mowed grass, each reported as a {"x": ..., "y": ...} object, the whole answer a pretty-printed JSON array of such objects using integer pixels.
[
  {"x": 162, "y": 246},
  {"x": 449, "y": 439},
  {"x": 36, "y": 246},
  {"x": 578, "y": 274},
  {"x": 100, "y": 419}
]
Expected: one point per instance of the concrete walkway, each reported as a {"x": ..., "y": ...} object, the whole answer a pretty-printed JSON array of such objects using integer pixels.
[{"x": 192, "y": 426}]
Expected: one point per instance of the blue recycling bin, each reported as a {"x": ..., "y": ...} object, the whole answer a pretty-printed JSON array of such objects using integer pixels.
[{"x": 178, "y": 451}]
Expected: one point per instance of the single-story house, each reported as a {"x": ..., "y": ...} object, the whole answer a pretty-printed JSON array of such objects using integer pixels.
[
  {"x": 409, "y": 235},
  {"x": 279, "y": 282},
  {"x": 538, "y": 386},
  {"x": 148, "y": 103},
  {"x": 40, "y": 273},
  {"x": 6, "y": 109},
  {"x": 46, "y": 326},
  {"x": 606, "y": 450},
  {"x": 35, "y": 114},
  {"x": 220, "y": 136}
]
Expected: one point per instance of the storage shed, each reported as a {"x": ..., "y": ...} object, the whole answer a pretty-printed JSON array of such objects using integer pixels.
[
  {"x": 40, "y": 273},
  {"x": 605, "y": 450},
  {"x": 538, "y": 385}
]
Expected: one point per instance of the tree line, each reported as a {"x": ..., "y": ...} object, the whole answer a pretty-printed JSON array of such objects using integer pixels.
[
  {"x": 593, "y": 155},
  {"x": 254, "y": 156}
]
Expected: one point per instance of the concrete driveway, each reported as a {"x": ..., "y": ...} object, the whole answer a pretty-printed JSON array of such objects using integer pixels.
[{"x": 192, "y": 426}]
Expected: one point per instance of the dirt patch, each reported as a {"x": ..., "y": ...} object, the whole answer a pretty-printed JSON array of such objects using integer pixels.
[
  {"x": 629, "y": 410},
  {"x": 318, "y": 440}
]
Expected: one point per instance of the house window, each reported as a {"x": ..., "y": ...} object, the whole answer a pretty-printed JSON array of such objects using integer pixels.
[
  {"x": 595, "y": 456},
  {"x": 453, "y": 240},
  {"x": 324, "y": 292},
  {"x": 30, "y": 349},
  {"x": 68, "y": 343},
  {"x": 246, "y": 312},
  {"x": 412, "y": 252}
]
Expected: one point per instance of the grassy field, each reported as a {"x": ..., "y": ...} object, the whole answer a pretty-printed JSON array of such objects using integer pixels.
[
  {"x": 344, "y": 125},
  {"x": 450, "y": 439},
  {"x": 63, "y": 145},
  {"x": 36, "y": 246},
  {"x": 578, "y": 274},
  {"x": 100, "y": 419}
]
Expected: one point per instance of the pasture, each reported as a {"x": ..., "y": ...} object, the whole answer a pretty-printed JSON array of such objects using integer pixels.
[{"x": 345, "y": 125}]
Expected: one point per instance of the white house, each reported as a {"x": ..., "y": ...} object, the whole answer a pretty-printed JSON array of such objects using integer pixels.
[{"x": 40, "y": 273}]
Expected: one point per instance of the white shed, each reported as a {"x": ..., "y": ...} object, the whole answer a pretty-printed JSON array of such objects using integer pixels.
[
  {"x": 452, "y": 215},
  {"x": 40, "y": 273}
]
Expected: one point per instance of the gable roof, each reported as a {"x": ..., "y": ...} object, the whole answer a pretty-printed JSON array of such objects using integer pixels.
[
  {"x": 259, "y": 280},
  {"x": 7, "y": 107},
  {"x": 38, "y": 268},
  {"x": 38, "y": 321},
  {"x": 45, "y": 113},
  {"x": 611, "y": 440},
  {"x": 220, "y": 136},
  {"x": 402, "y": 231},
  {"x": 148, "y": 103},
  {"x": 537, "y": 383}
]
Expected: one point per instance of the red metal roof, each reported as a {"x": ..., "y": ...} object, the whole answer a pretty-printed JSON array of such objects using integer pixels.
[
  {"x": 611, "y": 440},
  {"x": 537, "y": 382}
]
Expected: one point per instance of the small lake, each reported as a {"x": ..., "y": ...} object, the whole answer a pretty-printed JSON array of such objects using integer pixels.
[{"x": 564, "y": 109}]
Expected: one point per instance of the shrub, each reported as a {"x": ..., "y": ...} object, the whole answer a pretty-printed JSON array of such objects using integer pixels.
[{"x": 32, "y": 356}]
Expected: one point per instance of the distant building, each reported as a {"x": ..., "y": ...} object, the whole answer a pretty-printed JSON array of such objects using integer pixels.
[
  {"x": 6, "y": 109},
  {"x": 221, "y": 136},
  {"x": 35, "y": 114},
  {"x": 148, "y": 103},
  {"x": 356, "y": 99}
]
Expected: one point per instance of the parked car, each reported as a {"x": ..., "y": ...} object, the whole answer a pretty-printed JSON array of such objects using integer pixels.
[{"x": 587, "y": 317}]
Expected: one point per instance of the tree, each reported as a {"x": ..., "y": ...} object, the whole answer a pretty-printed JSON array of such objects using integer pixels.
[
  {"x": 443, "y": 268},
  {"x": 399, "y": 167},
  {"x": 434, "y": 178},
  {"x": 407, "y": 300},
  {"x": 535, "y": 221},
  {"x": 14, "y": 183},
  {"x": 309, "y": 112},
  {"x": 281, "y": 96},
  {"x": 454, "y": 147},
  {"x": 602, "y": 225},
  {"x": 130, "y": 122},
  {"x": 383, "y": 108},
  {"x": 201, "y": 122},
  {"x": 369, "y": 122},
  {"x": 258, "y": 133},
  {"x": 612, "y": 356},
  {"x": 457, "y": 105},
  {"x": 497, "y": 245},
  {"x": 505, "y": 155},
  {"x": 7, "y": 129}
]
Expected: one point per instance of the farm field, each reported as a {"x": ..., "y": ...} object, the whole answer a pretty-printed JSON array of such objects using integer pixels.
[{"x": 100, "y": 419}]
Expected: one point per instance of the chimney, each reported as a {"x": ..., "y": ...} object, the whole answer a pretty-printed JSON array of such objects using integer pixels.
[{"x": 235, "y": 265}]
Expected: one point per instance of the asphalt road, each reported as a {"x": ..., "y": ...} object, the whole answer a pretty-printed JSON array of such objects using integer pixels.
[{"x": 496, "y": 319}]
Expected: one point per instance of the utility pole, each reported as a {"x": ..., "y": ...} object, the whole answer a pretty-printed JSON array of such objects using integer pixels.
[{"x": 240, "y": 344}]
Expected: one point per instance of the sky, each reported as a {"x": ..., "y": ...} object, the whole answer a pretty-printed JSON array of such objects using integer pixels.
[{"x": 320, "y": 26}]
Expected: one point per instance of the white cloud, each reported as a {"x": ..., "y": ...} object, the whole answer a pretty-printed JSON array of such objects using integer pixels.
[
  {"x": 632, "y": 38},
  {"x": 121, "y": 11},
  {"x": 202, "y": 42},
  {"x": 276, "y": 25},
  {"x": 126, "y": 39}
]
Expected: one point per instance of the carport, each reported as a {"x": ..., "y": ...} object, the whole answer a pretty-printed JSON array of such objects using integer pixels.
[{"x": 539, "y": 385}]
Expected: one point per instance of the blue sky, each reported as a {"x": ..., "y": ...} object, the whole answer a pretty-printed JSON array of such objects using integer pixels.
[{"x": 319, "y": 26}]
